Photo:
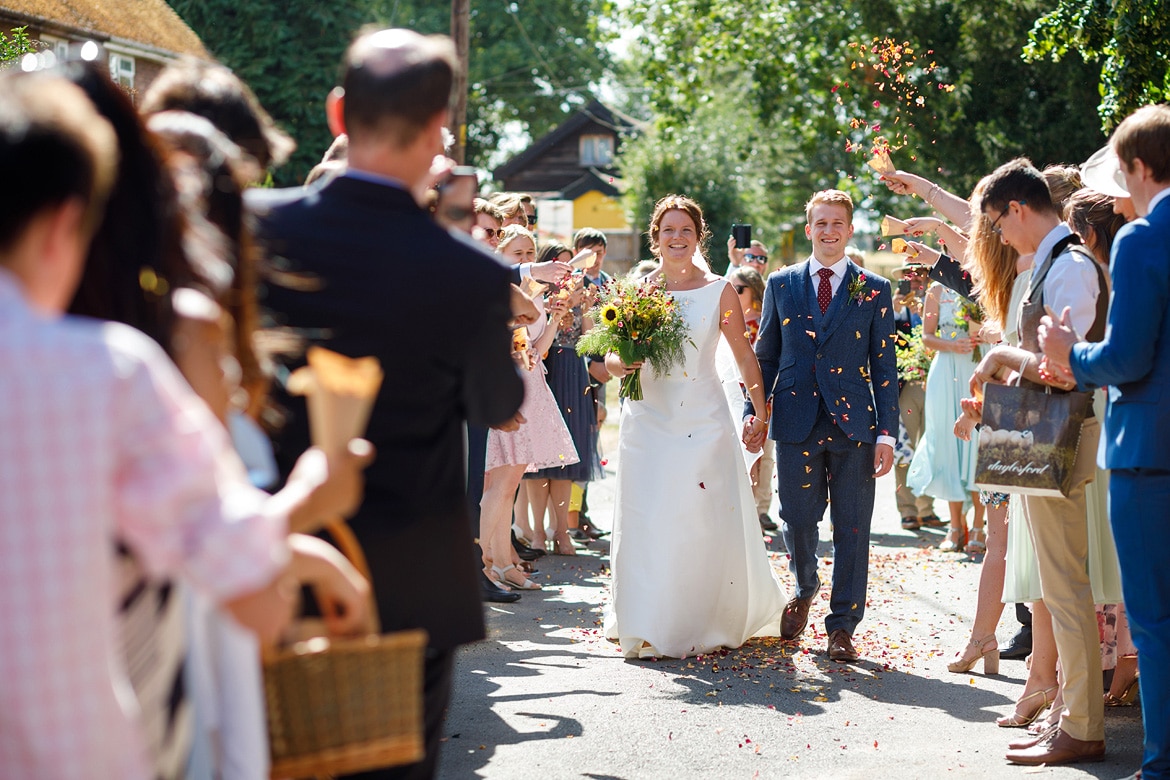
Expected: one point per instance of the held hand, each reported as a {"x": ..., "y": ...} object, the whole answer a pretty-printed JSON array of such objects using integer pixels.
[
  {"x": 511, "y": 425},
  {"x": 1057, "y": 336},
  {"x": 923, "y": 254},
  {"x": 334, "y": 483},
  {"x": 962, "y": 346},
  {"x": 883, "y": 460},
  {"x": 342, "y": 593},
  {"x": 552, "y": 272},
  {"x": 996, "y": 367},
  {"x": 619, "y": 369},
  {"x": 903, "y": 183},
  {"x": 964, "y": 425},
  {"x": 973, "y": 408},
  {"x": 755, "y": 433}
]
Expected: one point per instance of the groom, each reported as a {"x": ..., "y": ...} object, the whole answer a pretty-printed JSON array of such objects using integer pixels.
[{"x": 826, "y": 349}]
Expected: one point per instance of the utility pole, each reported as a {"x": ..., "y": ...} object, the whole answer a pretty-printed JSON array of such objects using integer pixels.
[{"x": 460, "y": 24}]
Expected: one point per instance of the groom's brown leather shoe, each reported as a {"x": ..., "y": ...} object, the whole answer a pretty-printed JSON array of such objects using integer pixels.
[
  {"x": 841, "y": 647},
  {"x": 795, "y": 617},
  {"x": 1059, "y": 748}
]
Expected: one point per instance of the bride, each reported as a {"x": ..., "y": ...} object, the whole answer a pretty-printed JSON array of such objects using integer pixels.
[{"x": 690, "y": 571}]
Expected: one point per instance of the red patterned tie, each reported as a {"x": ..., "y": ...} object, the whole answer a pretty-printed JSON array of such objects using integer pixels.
[{"x": 824, "y": 289}]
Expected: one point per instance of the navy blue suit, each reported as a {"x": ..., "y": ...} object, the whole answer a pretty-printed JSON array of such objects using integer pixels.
[
  {"x": 357, "y": 244},
  {"x": 833, "y": 383},
  {"x": 1133, "y": 361}
]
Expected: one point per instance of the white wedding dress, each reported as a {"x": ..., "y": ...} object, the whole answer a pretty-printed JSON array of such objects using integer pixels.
[{"x": 690, "y": 570}]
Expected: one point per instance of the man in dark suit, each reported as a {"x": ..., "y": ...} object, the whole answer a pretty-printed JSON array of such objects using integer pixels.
[
  {"x": 826, "y": 350},
  {"x": 356, "y": 241},
  {"x": 1133, "y": 361}
]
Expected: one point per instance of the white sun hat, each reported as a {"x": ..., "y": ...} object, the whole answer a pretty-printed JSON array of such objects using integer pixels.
[{"x": 1102, "y": 173}]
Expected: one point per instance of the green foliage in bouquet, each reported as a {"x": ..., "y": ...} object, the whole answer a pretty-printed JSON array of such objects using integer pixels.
[
  {"x": 970, "y": 317},
  {"x": 912, "y": 356},
  {"x": 638, "y": 322}
]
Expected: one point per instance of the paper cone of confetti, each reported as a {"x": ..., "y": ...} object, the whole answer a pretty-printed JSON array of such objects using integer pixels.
[
  {"x": 881, "y": 162},
  {"x": 340, "y": 392},
  {"x": 892, "y": 226}
]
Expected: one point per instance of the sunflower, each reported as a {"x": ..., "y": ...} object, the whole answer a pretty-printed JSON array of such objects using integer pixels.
[{"x": 610, "y": 314}]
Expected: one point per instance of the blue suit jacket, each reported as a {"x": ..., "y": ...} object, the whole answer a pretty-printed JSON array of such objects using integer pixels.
[
  {"x": 844, "y": 358},
  {"x": 1134, "y": 358}
]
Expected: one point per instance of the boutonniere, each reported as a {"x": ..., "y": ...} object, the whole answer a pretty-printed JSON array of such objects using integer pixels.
[{"x": 859, "y": 291}]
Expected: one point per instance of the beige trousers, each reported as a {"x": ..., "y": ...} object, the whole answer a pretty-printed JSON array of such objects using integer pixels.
[
  {"x": 913, "y": 404},
  {"x": 762, "y": 489},
  {"x": 1059, "y": 531}
]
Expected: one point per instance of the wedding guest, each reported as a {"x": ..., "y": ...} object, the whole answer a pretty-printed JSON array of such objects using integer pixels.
[
  {"x": 1016, "y": 198},
  {"x": 1131, "y": 361},
  {"x": 812, "y": 409},
  {"x": 594, "y": 240},
  {"x": 489, "y": 220},
  {"x": 1091, "y": 215},
  {"x": 361, "y": 235},
  {"x": 541, "y": 441},
  {"x": 551, "y": 487},
  {"x": 154, "y": 472},
  {"x": 595, "y": 276},
  {"x": 215, "y": 93},
  {"x": 943, "y": 466},
  {"x": 916, "y": 511},
  {"x": 754, "y": 256}
]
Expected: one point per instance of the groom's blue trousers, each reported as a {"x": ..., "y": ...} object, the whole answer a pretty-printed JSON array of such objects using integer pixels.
[
  {"x": 828, "y": 469},
  {"x": 1139, "y": 510}
]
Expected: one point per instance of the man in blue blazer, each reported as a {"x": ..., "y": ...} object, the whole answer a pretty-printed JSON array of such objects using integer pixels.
[
  {"x": 1133, "y": 361},
  {"x": 826, "y": 350}
]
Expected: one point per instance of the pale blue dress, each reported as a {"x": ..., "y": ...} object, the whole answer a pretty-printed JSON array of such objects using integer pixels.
[{"x": 943, "y": 465}]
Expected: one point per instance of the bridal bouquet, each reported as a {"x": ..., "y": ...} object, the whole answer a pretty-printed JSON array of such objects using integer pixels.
[
  {"x": 638, "y": 322},
  {"x": 970, "y": 317}
]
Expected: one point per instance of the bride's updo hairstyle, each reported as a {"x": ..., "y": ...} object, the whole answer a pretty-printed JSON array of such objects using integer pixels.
[{"x": 677, "y": 203}]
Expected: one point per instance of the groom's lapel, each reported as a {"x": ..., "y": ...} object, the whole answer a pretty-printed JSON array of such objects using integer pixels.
[
  {"x": 838, "y": 310},
  {"x": 801, "y": 292}
]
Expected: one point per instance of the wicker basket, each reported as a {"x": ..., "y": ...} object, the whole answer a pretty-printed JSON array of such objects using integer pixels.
[
  {"x": 336, "y": 707},
  {"x": 348, "y": 705}
]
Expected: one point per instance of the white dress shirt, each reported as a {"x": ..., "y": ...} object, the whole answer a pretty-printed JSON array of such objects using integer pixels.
[
  {"x": 1072, "y": 282},
  {"x": 838, "y": 269}
]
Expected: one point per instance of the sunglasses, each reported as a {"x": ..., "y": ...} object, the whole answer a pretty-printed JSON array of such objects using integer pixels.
[
  {"x": 531, "y": 219},
  {"x": 755, "y": 258},
  {"x": 739, "y": 288},
  {"x": 493, "y": 232}
]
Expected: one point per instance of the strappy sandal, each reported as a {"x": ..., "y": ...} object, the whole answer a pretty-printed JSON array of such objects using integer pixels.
[
  {"x": 978, "y": 542},
  {"x": 501, "y": 577},
  {"x": 1018, "y": 720}
]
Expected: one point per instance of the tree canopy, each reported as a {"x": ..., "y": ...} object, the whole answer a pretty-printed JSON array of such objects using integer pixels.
[
  {"x": 531, "y": 61},
  {"x": 1129, "y": 38},
  {"x": 818, "y": 88}
]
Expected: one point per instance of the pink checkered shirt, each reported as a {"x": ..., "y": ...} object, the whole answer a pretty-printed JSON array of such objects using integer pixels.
[{"x": 99, "y": 435}]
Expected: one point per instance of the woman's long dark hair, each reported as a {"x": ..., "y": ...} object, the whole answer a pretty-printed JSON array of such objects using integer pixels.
[{"x": 136, "y": 257}]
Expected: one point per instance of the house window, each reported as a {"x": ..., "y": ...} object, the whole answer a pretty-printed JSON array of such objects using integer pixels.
[
  {"x": 122, "y": 70},
  {"x": 596, "y": 149},
  {"x": 59, "y": 47}
]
